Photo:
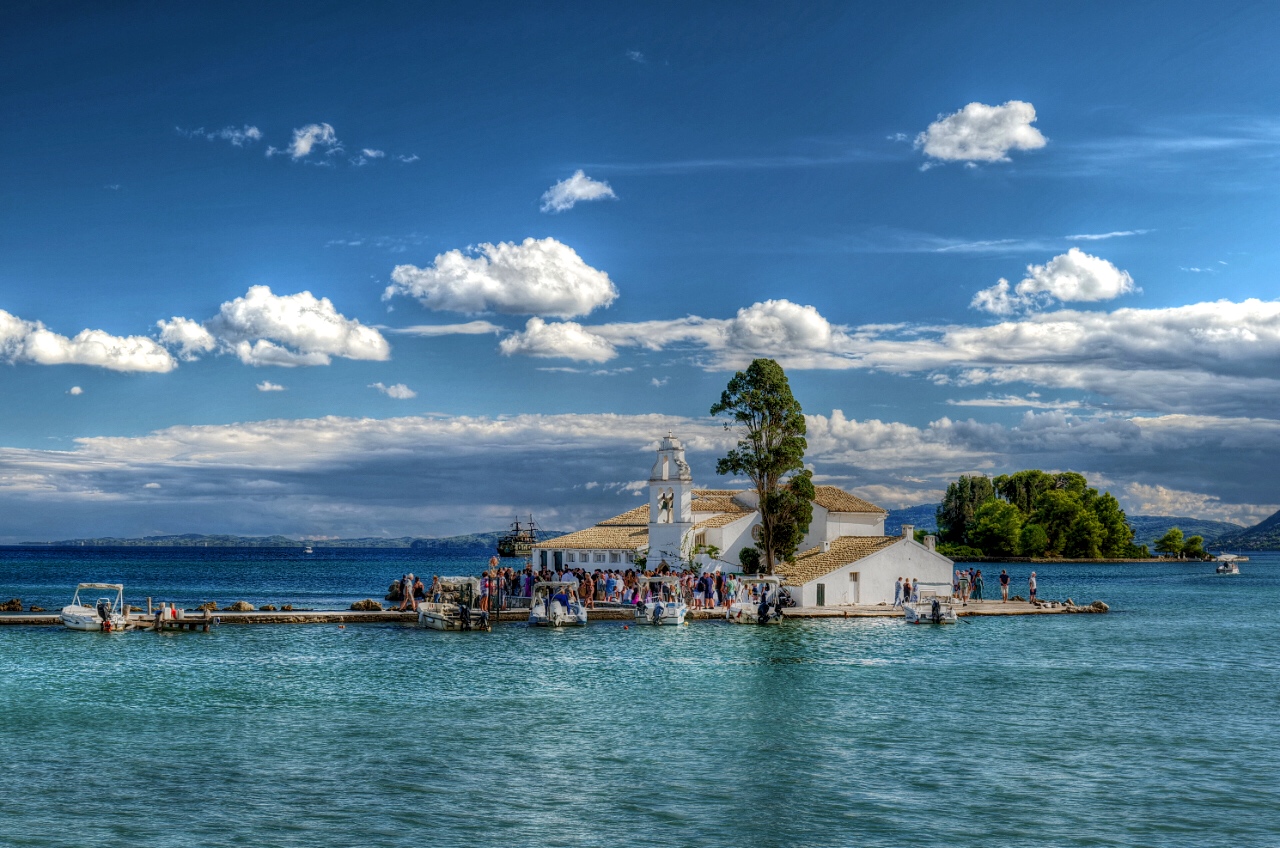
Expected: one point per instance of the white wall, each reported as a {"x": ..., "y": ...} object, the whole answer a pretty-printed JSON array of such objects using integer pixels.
[
  {"x": 854, "y": 524},
  {"x": 877, "y": 575}
]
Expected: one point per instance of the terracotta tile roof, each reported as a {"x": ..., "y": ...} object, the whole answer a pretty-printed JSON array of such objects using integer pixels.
[
  {"x": 814, "y": 562},
  {"x": 601, "y": 538},
  {"x": 835, "y": 499},
  {"x": 721, "y": 520},
  {"x": 638, "y": 517}
]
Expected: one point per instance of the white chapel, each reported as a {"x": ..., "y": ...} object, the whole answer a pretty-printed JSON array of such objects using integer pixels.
[{"x": 844, "y": 559}]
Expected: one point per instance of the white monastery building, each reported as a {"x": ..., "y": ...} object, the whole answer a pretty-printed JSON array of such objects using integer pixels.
[{"x": 845, "y": 558}]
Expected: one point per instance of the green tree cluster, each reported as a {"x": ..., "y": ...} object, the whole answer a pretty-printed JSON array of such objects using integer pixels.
[
  {"x": 1034, "y": 513},
  {"x": 1173, "y": 544}
]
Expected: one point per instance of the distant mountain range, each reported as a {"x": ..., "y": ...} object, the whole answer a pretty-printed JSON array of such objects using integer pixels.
[{"x": 1146, "y": 529}]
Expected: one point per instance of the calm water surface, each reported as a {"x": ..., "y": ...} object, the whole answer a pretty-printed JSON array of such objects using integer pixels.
[{"x": 1152, "y": 725}]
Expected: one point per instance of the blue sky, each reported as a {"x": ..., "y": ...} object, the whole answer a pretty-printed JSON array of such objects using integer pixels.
[{"x": 836, "y": 187}]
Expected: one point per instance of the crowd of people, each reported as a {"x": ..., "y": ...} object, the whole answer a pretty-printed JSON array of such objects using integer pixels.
[
  {"x": 967, "y": 585},
  {"x": 503, "y": 584}
]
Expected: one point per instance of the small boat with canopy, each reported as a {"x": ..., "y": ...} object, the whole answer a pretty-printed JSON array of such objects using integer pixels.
[
  {"x": 662, "y": 603},
  {"x": 555, "y": 604},
  {"x": 106, "y": 615},
  {"x": 758, "y": 601},
  {"x": 456, "y": 608},
  {"x": 931, "y": 607}
]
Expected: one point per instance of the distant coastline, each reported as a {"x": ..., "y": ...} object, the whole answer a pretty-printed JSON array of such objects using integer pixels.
[{"x": 464, "y": 545}]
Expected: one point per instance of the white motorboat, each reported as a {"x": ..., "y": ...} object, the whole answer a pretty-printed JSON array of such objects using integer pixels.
[
  {"x": 555, "y": 604},
  {"x": 1227, "y": 564},
  {"x": 758, "y": 601},
  {"x": 665, "y": 604},
  {"x": 107, "y": 615},
  {"x": 455, "y": 609},
  {"x": 931, "y": 608}
]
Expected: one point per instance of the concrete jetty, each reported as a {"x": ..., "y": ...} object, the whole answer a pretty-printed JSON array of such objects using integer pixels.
[{"x": 621, "y": 614}]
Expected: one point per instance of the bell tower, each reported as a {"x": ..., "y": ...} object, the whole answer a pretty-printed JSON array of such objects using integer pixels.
[{"x": 670, "y": 504}]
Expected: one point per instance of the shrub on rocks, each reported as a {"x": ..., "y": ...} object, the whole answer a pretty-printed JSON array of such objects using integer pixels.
[{"x": 367, "y": 605}]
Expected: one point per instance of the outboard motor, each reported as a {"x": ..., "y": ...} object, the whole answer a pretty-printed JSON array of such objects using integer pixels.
[
  {"x": 762, "y": 612},
  {"x": 104, "y": 610},
  {"x": 657, "y": 613},
  {"x": 935, "y": 611},
  {"x": 464, "y": 616}
]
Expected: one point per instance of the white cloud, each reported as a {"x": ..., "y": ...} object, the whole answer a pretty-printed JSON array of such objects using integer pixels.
[
  {"x": 982, "y": 133},
  {"x": 237, "y": 136},
  {"x": 399, "y": 391},
  {"x": 637, "y": 57},
  {"x": 190, "y": 338},
  {"x": 1111, "y": 235},
  {"x": 408, "y": 159},
  {"x": 30, "y": 341},
  {"x": 578, "y": 188},
  {"x": 372, "y": 154},
  {"x": 268, "y": 386},
  {"x": 469, "y": 328},
  {"x": 561, "y": 339},
  {"x": 298, "y": 329},
  {"x": 1071, "y": 276},
  {"x": 75, "y": 391},
  {"x": 535, "y": 277},
  {"x": 1031, "y": 401},
  {"x": 309, "y": 138},
  {"x": 657, "y": 384}
]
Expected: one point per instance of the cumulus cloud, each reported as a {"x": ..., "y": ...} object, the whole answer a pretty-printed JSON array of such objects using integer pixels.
[
  {"x": 188, "y": 337},
  {"x": 75, "y": 391},
  {"x": 238, "y": 136},
  {"x": 268, "y": 386},
  {"x": 982, "y": 133},
  {"x": 560, "y": 339},
  {"x": 289, "y": 330},
  {"x": 32, "y": 342},
  {"x": 1071, "y": 276},
  {"x": 367, "y": 155},
  {"x": 578, "y": 188},
  {"x": 535, "y": 277},
  {"x": 399, "y": 391}
]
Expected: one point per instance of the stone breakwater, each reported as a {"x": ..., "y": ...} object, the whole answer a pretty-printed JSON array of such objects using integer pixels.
[{"x": 622, "y": 614}]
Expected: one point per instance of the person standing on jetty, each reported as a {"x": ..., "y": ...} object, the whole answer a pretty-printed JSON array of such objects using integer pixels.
[
  {"x": 1031, "y": 586},
  {"x": 977, "y": 585},
  {"x": 964, "y": 588},
  {"x": 897, "y": 593},
  {"x": 406, "y": 593},
  {"x": 1004, "y": 585}
]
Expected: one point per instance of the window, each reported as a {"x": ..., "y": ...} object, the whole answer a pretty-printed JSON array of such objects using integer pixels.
[
  {"x": 599, "y": 557},
  {"x": 572, "y": 557},
  {"x": 614, "y": 556}
]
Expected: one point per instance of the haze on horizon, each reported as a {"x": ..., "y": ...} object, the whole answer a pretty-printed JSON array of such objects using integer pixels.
[{"x": 327, "y": 270}]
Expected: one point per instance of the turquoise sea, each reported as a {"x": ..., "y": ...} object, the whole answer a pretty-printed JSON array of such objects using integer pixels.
[{"x": 1154, "y": 725}]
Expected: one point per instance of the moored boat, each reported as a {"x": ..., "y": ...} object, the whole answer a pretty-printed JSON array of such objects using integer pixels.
[
  {"x": 929, "y": 609},
  {"x": 759, "y": 601},
  {"x": 555, "y": 604},
  {"x": 665, "y": 604},
  {"x": 455, "y": 609},
  {"x": 107, "y": 615},
  {"x": 1227, "y": 564}
]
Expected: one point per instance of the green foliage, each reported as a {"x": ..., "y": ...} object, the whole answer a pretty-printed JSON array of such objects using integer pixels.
[
  {"x": 997, "y": 528},
  {"x": 920, "y": 535},
  {"x": 1194, "y": 547},
  {"x": 749, "y": 559},
  {"x": 792, "y": 509},
  {"x": 1033, "y": 541},
  {"x": 1035, "y": 513},
  {"x": 951, "y": 550},
  {"x": 1171, "y": 542},
  {"x": 959, "y": 505},
  {"x": 771, "y": 441}
]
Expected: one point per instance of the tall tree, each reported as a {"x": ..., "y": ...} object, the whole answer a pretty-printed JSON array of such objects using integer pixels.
[
  {"x": 996, "y": 528},
  {"x": 962, "y": 500},
  {"x": 771, "y": 441},
  {"x": 792, "y": 510},
  {"x": 1023, "y": 488},
  {"x": 1171, "y": 542}
]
